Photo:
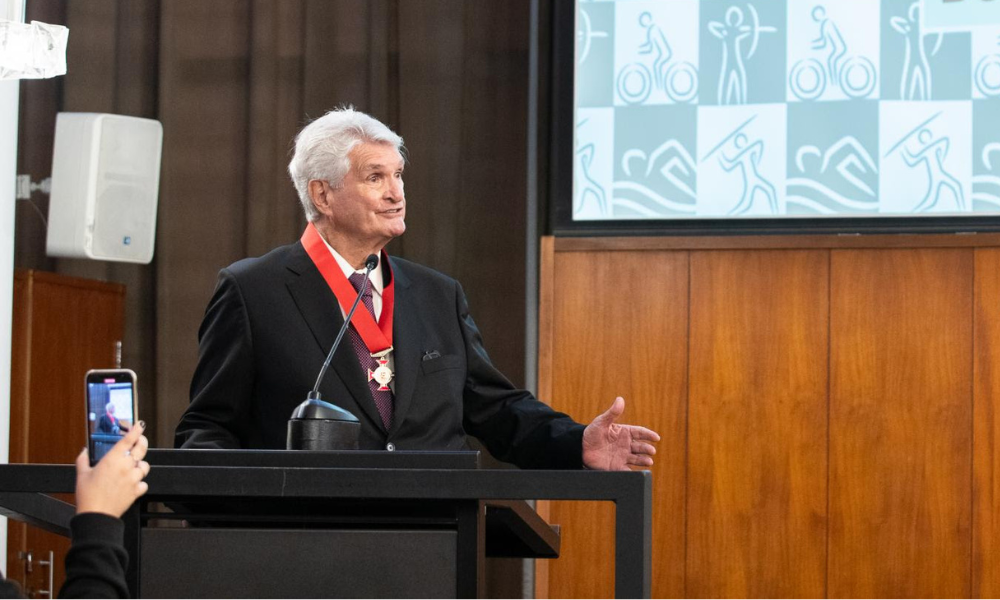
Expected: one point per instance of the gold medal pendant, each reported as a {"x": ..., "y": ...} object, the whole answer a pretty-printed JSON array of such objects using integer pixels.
[{"x": 382, "y": 374}]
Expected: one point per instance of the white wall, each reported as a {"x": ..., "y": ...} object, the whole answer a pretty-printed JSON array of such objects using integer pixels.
[{"x": 12, "y": 10}]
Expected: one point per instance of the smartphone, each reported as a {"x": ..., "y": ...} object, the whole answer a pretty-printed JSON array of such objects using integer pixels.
[{"x": 111, "y": 409}]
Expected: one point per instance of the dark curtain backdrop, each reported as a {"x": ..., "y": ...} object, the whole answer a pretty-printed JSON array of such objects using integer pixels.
[{"x": 232, "y": 81}]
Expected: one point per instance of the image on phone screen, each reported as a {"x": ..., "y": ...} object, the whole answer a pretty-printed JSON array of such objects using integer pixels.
[{"x": 110, "y": 413}]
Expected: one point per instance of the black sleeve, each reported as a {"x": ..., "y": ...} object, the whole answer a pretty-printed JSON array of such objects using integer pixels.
[
  {"x": 10, "y": 589},
  {"x": 514, "y": 425},
  {"x": 218, "y": 416},
  {"x": 96, "y": 561}
]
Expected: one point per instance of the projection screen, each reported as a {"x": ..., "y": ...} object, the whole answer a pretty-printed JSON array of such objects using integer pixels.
[{"x": 784, "y": 110}]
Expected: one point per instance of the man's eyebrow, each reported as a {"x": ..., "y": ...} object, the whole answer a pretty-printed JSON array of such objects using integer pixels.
[{"x": 375, "y": 167}]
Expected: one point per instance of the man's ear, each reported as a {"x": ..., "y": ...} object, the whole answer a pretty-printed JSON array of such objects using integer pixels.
[{"x": 318, "y": 194}]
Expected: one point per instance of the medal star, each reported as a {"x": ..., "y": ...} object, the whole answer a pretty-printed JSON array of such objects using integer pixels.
[{"x": 383, "y": 374}]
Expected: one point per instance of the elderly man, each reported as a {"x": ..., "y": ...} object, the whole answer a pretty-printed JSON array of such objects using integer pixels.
[{"x": 414, "y": 371}]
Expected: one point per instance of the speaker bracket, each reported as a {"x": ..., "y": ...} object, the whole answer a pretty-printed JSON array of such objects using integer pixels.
[{"x": 26, "y": 187}]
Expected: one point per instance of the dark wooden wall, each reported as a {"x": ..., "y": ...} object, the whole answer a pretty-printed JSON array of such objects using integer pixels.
[
  {"x": 232, "y": 81},
  {"x": 827, "y": 407}
]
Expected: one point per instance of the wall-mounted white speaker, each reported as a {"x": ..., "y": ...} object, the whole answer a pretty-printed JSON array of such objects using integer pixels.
[{"x": 105, "y": 185}]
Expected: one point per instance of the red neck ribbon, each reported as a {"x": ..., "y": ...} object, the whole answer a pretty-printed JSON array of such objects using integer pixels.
[{"x": 378, "y": 337}]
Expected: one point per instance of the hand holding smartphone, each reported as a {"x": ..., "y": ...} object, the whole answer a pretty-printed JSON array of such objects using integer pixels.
[{"x": 111, "y": 409}]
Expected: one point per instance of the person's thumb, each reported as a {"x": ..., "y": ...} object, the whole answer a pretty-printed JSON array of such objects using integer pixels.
[{"x": 608, "y": 417}]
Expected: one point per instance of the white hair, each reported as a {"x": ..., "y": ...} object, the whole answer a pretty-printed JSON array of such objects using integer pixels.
[{"x": 322, "y": 149}]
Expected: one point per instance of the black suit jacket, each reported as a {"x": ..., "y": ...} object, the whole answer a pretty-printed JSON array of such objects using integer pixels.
[
  {"x": 272, "y": 321},
  {"x": 107, "y": 425}
]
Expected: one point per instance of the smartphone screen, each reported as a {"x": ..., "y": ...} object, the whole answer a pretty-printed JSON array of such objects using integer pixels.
[{"x": 111, "y": 409}]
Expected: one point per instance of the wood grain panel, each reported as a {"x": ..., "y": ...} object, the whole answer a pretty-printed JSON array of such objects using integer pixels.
[
  {"x": 758, "y": 424},
  {"x": 338, "y": 43},
  {"x": 274, "y": 213},
  {"x": 430, "y": 74},
  {"x": 986, "y": 432},
  {"x": 900, "y": 423},
  {"x": 203, "y": 87},
  {"x": 489, "y": 201},
  {"x": 62, "y": 327},
  {"x": 117, "y": 47},
  {"x": 775, "y": 242},
  {"x": 40, "y": 100},
  {"x": 620, "y": 321}
]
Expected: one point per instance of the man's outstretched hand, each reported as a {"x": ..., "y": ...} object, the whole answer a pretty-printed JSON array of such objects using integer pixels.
[{"x": 608, "y": 446}]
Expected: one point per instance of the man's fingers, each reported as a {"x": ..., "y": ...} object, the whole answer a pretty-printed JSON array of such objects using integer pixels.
[
  {"x": 643, "y": 448},
  {"x": 640, "y": 460},
  {"x": 144, "y": 467},
  {"x": 641, "y": 433}
]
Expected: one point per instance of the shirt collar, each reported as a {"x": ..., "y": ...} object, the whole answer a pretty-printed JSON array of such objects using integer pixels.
[{"x": 376, "y": 274}]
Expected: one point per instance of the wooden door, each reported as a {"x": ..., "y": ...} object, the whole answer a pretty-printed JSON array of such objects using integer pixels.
[{"x": 62, "y": 327}]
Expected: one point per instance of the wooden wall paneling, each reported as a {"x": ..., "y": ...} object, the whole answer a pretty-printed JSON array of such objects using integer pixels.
[
  {"x": 137, "y": 65},
  {"x": 62, "y": 327},
  {"x": 115, "y": 70},
  {"x": 39, "y": 102},
  {"x": 431, "y": 53},
  {"x": 986, "y": 424},
  {"x": 486, "y": 191},
  {"x": 137, "y": 59},
  {"x": 620, "y": 328},
  {"x": 779, "y": 242},
  {"x": 757, "y": 424},
  {"x": 489, "y": 200},
  {"x": 91, "y": 59},
  {"x": 383, "y": 61},
  {"x": 337, "y": 59},
  {"x": 901, "y": 423},
  {"x": 274, "y": 213},
  {"x": 20, "y": 375},
  {"x": 546, "y": 352},
  {"x": 90, "y": 85},
  {"x": 203, "y": 103}
]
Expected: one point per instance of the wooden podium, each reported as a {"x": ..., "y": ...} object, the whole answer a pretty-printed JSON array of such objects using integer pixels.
[{"x": 338, "y": 524}]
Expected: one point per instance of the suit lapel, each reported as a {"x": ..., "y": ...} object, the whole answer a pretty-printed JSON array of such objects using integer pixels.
[
  {"x": 319, "y": 308},
  {"x": 405, "y": 341}
]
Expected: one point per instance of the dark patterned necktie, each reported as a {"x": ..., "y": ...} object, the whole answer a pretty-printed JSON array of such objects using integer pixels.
[{"x": 383, "y": 398}]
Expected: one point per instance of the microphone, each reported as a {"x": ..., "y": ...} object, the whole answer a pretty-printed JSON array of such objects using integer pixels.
[
  {"x": 370, "y": 263},
  {"x": 319, "y": 425}
]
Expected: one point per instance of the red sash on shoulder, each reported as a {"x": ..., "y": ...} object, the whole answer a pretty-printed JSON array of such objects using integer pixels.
[{"x": 378, "y": 337}]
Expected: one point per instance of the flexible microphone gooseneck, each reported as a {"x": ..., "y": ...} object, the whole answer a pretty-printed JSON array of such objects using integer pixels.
[{"x": 370, "y": 263}]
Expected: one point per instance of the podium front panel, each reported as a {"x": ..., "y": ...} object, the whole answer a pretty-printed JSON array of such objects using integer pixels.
[{"x": 297, "y": 563}]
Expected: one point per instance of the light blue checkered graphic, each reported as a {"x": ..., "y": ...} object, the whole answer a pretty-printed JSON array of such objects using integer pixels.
[
  {"x": 593, "y": 160},
  {"x": 655, "y": 171},
  {"x": 762, "y": 108},
  {"x": 918, "y": 64},
  {"x": 985, "y": 156},
  {"x": 832, "y": 158},
  {"x": 743, "y": 162},
  {"x": 833, "y": 48},
  {"x": 595, "y": 54},
  {"x": 742, "y": 52},
  {"x": 986, "y": 62},
  {"x": 926, "y": 154},
  {"x": 960, "y": 14},
  {"x": 656, "y": 53}
]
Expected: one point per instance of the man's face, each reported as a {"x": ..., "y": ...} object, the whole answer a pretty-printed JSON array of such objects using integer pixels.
[{"x": 369, "y": 208}]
